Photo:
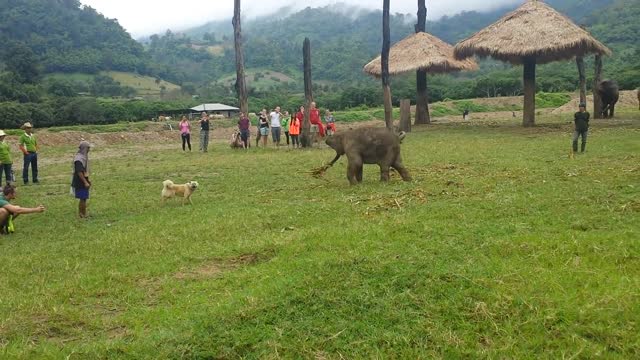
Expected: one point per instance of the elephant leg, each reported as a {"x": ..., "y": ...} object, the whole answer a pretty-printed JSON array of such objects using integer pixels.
[
  {"x": 355, "y": 163},
  {"x": 402, "y": 170},
  {"x": 613, "y": 106},
  {"x": 359, "y": 174},
  {"x": 384, "y": 172}
]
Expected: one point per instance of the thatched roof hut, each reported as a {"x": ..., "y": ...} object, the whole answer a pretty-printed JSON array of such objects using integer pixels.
[
  {"x": 420, "y": 51},
  {"x": 424, "y": 53},
  {"x": 532, "y": 34}
]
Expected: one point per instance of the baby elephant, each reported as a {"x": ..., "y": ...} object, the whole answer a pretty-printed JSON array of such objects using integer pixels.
[{"x": 368, "y": 145}]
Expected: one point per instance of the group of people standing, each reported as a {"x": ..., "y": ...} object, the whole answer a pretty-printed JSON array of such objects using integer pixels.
[
  {"x": 185, "y": 132},
  {"x": 276, "y": 123},
  {"x": 28, "y": 145}
]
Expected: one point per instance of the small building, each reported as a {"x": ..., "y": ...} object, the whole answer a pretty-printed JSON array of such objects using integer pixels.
[{"x": 217, "y": 109}]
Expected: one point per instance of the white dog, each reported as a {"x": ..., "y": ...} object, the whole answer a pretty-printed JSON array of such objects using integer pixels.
[{"x": 169, "y": 190}]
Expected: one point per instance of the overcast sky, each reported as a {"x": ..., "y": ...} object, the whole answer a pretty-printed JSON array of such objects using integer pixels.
[{"x": 145, "y": 17}]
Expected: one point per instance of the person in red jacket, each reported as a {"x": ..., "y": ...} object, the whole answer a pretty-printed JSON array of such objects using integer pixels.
[{"x": 314, "y": 118}]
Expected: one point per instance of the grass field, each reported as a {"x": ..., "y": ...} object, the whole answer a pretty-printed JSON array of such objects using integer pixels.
[
  {"x": 265, "y": 80},
  {"x": 144, "y": 85},
  {"x": 501, "y": 247}
]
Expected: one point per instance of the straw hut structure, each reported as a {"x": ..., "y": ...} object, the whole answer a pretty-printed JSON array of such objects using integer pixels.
[
  {"x": 532, "y": 34},
  {"x": 420, "y": 51}
]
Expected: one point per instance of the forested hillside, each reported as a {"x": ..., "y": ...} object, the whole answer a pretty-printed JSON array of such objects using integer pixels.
[
  {"x": 344, "y": 40},
  {"x": 65, "y": 37},
  {"x": 52, "y": 51}
]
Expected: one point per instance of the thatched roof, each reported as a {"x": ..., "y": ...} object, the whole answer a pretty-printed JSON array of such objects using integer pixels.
[
  {"x": 533, "y": 29},
  {"x": 420, "y": 51}
]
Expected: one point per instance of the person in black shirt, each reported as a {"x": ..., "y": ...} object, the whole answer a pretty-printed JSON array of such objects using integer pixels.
[
  {"x": 581, "y": 120},
  {"x": 204, "y": 132},
  {"x": 80, "y": 184}
]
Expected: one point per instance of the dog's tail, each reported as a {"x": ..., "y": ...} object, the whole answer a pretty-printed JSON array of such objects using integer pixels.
[{"x": 167, "y": 184}]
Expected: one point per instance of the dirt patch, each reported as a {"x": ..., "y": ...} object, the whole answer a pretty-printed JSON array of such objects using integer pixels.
[
  {"x": 628, "y": 99},
  {"x": 216, "y": 267}
]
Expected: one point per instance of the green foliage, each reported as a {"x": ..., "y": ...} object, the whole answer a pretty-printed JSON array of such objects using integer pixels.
[
  {"x": 551, "y": 100},
  {"x": 69, "y": 38}
]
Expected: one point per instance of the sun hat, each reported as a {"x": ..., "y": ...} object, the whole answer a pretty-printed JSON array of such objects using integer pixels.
[
  {"x": 2, "y": 133},
  {"x": 582, "y": 105},
  {"x": 26, "y": 125}
]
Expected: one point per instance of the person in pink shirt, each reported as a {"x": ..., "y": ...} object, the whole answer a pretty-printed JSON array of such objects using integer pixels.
[{"x": 185, "y": 132}]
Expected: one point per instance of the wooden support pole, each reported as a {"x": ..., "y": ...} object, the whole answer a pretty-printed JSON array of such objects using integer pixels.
[
  {"x": 597, "y": 78},
  {"x": 422, "y": 100},
  {"x": 241, "y": 84},
  {"x": 306, "y": 140},
  {"x": 386, "y": 44},
  {"x": 583, "y": 81},
  {"x": 529, "y": 79},
  {"x": 405, "y": 115}
]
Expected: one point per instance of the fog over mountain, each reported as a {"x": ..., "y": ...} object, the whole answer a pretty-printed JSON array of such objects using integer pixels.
[{"x": 145, "y": 17}]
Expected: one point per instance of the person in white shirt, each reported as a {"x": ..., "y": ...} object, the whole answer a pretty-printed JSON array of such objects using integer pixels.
[{"x": 275, "y": 126}]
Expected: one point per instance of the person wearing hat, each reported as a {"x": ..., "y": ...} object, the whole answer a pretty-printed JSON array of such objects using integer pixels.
[
  {"x": 5, "y": 159},
  {"x": 29, "y": 147},
  {"x": 80, "y": 183},
  {"x": 581, "y": 120}
]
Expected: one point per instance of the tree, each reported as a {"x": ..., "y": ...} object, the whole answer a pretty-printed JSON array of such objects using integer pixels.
[
  {"x": 241, "y": 85},
  {"x": 20, "y": 60},
  {"x": 422, "y": 101},
  {"x": 386, "y": 88},
  {"x": 305, "y": 140}
]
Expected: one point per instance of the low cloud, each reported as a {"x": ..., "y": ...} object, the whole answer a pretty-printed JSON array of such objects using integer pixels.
[{"x": 144, "y": 17}]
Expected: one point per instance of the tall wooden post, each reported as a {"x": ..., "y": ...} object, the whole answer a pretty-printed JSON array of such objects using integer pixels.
[
  {"x": 529, "y": 79},
  {"x": 597, "y": 78},
  {"x": 386, "y": 44},
  {"x": 241, "y": 84},
  {"x": 583, "y": 81},
  {"x": 305, "y": 140},
  {"x": 405, "y": 115},
  {"x": 422, "y": 101}
]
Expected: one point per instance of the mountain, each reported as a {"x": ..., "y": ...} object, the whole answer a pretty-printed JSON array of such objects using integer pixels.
[
  {"x": 65, "y": 36},
  {"x": 343, "y": 41}
]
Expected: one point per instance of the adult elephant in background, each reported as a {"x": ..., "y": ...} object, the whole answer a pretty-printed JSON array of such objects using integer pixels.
[
  {"x": 609, "y": 95},
  {"x": 368, "y": 145}
]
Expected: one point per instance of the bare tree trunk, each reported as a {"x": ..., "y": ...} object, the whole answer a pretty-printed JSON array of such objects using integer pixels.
[
  {"x": 405, "y": 115},
  {"x": 583, "y": 81},
  {"x": 422, "y": 100},
  {"x": 305, "y": 140},
  {"x": 529, "y": 79},
  {"x": 386, "y": 43},
  {"x": 241, "y": 84},
  {"x": 597, "y": 102}
]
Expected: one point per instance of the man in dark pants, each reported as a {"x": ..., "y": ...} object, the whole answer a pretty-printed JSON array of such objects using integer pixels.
[
  {"x": 29, "y": 147},
  {"x": 581, "y": 120}
]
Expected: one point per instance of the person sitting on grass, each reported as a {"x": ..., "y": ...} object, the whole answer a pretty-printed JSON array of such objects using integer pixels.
[
  {"x": 9, "y": 212},
  {"x": 80, "y": 184}
]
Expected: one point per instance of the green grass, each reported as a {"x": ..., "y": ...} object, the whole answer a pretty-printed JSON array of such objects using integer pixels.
[
  {"x": 456, "y": 107},
  {"x": 144, "y": 85},
  {"x": 265, "y": 79},
  {"x": 109, "y": 128},
  {"x": 501, "y": 247}
]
